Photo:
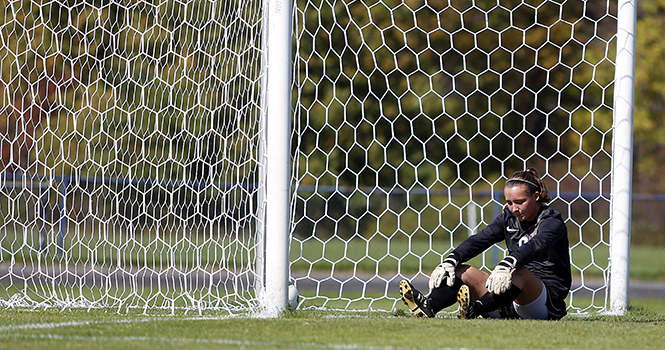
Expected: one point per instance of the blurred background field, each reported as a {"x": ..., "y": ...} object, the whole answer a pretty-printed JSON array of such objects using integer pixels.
[{"x": 361, "y": 255}]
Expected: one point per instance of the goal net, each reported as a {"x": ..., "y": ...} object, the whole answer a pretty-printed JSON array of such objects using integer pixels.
[
  {"x": 129, "y": 171},
  {"x": 409, "y": 117},
  {"x": 133, "y": 144}
]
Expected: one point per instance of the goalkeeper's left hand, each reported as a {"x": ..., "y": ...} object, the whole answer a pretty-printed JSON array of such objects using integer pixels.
[
  {"x": 501, "y": 278},
  {"x": 444, "y": 272}
]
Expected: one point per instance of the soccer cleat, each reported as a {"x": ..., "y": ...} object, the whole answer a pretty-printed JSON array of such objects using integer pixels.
[
  {"x": 414, "y": 300},
  {"x": 466, "y": 309}
]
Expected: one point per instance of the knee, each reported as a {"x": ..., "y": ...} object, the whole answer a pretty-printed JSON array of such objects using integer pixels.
[
  {"x": 469, "y": 274},
  {"x": 474, "y": 279},
  {"x": 523, "y": 277},
  {"x": 521, "y": 273}
]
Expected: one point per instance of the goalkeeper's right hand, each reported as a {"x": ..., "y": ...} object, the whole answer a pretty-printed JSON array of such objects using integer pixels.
[{"x": 445, "y": 271}]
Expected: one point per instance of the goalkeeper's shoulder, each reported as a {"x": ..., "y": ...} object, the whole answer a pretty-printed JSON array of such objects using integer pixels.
[
  {"x": 548, "y": 213},
  {"x": 552, "y": 220}
]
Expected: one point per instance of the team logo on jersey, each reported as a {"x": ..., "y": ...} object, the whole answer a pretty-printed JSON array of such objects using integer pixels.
[{"x": 512, "y": 229}]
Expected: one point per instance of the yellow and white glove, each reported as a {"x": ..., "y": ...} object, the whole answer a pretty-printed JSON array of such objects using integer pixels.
[
  {"x": 501, "y": 278},
  {"x": 444, "y": 272}
]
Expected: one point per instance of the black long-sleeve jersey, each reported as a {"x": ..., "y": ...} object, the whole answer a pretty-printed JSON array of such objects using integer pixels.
[{"x": 540, "y": 245}]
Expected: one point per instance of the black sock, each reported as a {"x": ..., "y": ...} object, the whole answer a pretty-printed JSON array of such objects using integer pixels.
[
  {"x": 490, "y": 302},
  {"x": 444, "y": 296}
]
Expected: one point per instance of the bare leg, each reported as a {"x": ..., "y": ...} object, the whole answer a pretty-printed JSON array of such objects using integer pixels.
[
  {"x": 529, "y": 283},
  {"x": 474, "y": 279},
  {"x": 523, "y": 279},
  {"x": 475, "y": 300}
]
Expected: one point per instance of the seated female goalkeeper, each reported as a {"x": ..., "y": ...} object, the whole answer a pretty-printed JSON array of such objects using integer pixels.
[{"x": 531, "y": 282}]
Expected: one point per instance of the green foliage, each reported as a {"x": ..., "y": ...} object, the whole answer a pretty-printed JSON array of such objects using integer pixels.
[
  {"x": 141, "y": 90},
  {"x": 140, "y": 102},
  {"x": 380, "y": 84},
  {"x": 649, "y": 75},
  {"x": 649, "y": 96},
  {"x": 411, "y": 97}
]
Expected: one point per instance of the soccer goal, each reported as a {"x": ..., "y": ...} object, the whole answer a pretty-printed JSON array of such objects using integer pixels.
[
  {"x": 131, "y": 175},
  {"x": 199, "y": 155}
]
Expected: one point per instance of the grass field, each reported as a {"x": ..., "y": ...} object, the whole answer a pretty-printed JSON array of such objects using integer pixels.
[
  {"x": 409, "y": 258},
  {"x": 642, "y": 327},
  {"x": 379, "y": 254}
]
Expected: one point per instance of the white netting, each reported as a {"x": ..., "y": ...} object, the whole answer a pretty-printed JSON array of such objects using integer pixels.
[
  {"x": 129, "y": 139},
  {"x": 411, "y": 114}
]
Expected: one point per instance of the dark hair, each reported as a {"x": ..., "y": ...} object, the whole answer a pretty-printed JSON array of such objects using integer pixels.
[{"x": 530, "y": 178}]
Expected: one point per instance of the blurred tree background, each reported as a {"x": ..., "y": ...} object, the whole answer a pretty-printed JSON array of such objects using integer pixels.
[
  {"x": 131, "y": 109},
  {"x": 649, "y": 131},
  {"x": 393, "y": 97},
  {"x": 407, "y": 98}
]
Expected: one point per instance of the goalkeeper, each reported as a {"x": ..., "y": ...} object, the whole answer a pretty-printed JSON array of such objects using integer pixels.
[{"x": 531, "y": 282}]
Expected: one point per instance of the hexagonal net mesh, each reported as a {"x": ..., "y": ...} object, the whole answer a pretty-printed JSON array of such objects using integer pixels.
[
  {"x": 129, "y": 153},
  {"x": 131, "y": 176},
  {"x": 410, "y": 115}
]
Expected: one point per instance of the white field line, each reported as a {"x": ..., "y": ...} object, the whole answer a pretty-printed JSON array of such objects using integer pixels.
[
  {"x": 252, "y": 344},
  {"x": 86, "y": 323},
  {"x": 6, "y": 332}
]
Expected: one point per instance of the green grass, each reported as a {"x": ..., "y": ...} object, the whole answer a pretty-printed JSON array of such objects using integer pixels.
[
  {"x": 645, "y": 263},
  {"x": 333, "y": 300},
  {"x": 28, "y": 329},
  {"x": 655, "y": 305},
  {"x": 419, "y": 255},
  {"x": 380, "y": 254},
  {"x": 147, "y": 249},
  {"x": 363, "y": 256}
]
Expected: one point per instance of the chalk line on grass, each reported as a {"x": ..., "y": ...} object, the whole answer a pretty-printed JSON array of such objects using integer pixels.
[
  {"x": 6, "y": 332},
  {"x": 29, "y": 326},
  {"x": 240, "y": 343}
]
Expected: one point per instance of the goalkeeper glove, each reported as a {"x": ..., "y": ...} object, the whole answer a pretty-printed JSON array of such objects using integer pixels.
[
  {"x": 445, "y": 271},
  {"x": 501, "y": 278}
]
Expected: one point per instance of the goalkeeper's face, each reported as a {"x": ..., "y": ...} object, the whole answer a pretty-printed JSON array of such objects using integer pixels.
[{"x": 523, "y": 205}]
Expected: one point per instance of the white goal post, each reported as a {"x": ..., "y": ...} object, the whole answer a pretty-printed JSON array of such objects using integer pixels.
[
  {"x": 202, "y": 154},
  {"x": 622, "y": 156}
]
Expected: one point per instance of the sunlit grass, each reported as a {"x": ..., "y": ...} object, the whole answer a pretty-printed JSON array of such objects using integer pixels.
[{"x": 30, "y": 329}]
